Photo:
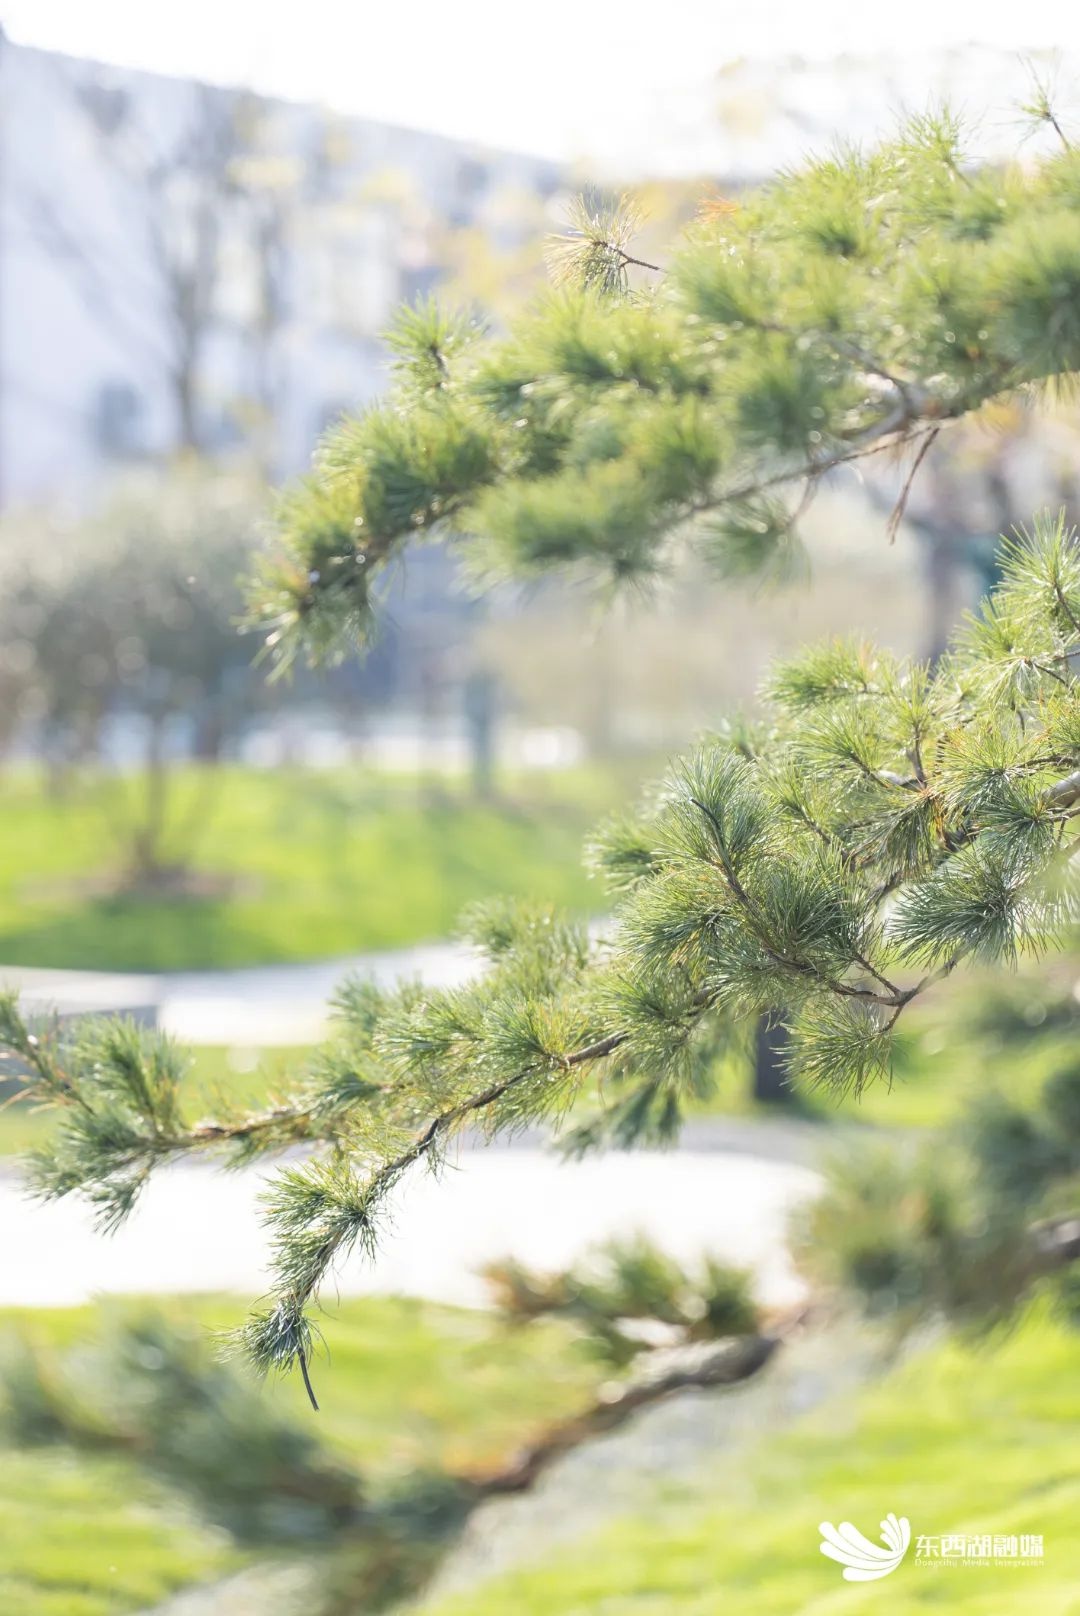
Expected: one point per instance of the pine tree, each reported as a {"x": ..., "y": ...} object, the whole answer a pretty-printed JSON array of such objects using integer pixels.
[{"x": 879, "y": 827}]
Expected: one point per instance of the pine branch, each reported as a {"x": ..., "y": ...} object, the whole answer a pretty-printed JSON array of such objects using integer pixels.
[
  {"x": 894, "y": 431},
  {"x": 802, "y": 870},
  {"x": 684, "y": 1368},
  {"x": 802, "y": 967},
  {"x": 856, "y": 306},
  {"x": 1063, "y": 793}
]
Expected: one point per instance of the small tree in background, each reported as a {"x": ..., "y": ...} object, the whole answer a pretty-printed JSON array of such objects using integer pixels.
[
  {"x": 131, "y": 615},
  {"x": 882, "y": 826},
  {"x": 188, "y": 195}
]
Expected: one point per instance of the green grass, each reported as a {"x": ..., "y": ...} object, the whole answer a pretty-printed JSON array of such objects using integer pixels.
[
  {"x": 87, "y": 1535},
  {"x": 409, "y": 1384},
  {"x": 295, "y": 865},
  {"x": 219, "y": 1078},
  {"x": 959, "y": 1440},
  {"x": 967, "y": 1037},
  {"x": 931, "y": 1085}
]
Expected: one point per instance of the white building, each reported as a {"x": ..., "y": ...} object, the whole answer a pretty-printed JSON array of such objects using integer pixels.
[{"x": 181, "y": 263}]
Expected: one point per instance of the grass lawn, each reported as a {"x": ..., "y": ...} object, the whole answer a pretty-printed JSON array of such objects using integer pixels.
[
  {"x": 409, "y": 1383},
  {"x": 294, "y": 865},
  {"x": 218, "y": 1077},
  {"x": 959, "y": 1440},
  {"x": 981, "y": 1031},
  {"x": 932, "y": 1082},
  {"x": 88, "y": 1535}
]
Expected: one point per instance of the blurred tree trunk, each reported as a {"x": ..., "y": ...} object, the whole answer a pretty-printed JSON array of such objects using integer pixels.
[
  {"x": 148, "y": 835},
  {"x": 481, "y": 705},
  {"x": 943, "y": 560},
  {"x": 772, "y": 1046},
  {"x": 187, "y": 414},
  {"x": 209, "y": 740}
]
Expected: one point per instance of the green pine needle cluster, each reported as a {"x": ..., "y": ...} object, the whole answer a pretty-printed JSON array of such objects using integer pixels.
[
  {"x": 629, "y": 1296},
  {"x": 639, "y": 412}
]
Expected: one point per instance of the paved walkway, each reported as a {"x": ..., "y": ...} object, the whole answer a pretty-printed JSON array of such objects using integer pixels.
[
  {"x": 261, "y": 1006},
  {"x": 729, "y": 1189},
  {"x": 197, "y": 1228}
]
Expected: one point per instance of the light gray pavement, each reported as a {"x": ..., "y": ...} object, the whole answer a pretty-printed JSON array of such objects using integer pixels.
[
  {"x": 261, "y": 1006},
  {"x": 729, "y": 1189},
  {"x": 197, "y": 1227}
]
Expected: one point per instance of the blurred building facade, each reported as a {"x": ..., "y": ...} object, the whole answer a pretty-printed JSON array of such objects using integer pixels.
[{"x": 189, "y": 266}]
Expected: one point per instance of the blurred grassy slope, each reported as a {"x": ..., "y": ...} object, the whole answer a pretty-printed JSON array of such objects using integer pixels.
[
  {"x": 958, "y": 1439},
  {"x": 294, "y": 865},
  {"x": 87, "y": 1535},
  {"x": 409, "y": 1384}
]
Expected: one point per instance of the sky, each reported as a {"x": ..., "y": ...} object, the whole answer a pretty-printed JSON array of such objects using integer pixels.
[{"x": 560, "y": 78}]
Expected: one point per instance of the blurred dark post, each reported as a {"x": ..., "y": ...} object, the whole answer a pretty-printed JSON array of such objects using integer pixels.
[
  {"x": 480, "y": 704},
  {"x": 771, "y": 1049},
  {"x": 429, "y": 699}
]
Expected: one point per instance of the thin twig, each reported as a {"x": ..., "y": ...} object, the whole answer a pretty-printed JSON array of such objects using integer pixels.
[
  {"x": 901, "y": 504},
  {"x": 892, "y": 431},
  {"x": 302, "y": 1355},
  {"x": 627, "y": 258},
  {"x": 1052, "y": 120},
  {"x": 1066, "y": 608}
]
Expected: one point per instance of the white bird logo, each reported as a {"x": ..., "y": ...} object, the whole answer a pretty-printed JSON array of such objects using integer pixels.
[{"x": 862, "y": 1560}]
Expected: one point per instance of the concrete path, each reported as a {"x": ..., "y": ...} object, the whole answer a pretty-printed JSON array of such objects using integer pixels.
[
  {"x": 197, "y": 1228},
  {"x": 729, "y": 1189},
  {"x": 258, "y": 1007}
]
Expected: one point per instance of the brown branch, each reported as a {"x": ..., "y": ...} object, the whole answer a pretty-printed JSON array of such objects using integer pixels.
[
  {"x": 41, "y": 1056},
  {"x": 447, "y": 1120},
  {"x": 1051, "y": 119},
  {"x": 627, "y": 258},
  {"x": 890, "y": 987},
  {"x": 841, "y": 345},
  {"x": 215, "y": 1132},
  {"x": 1050, "y": 673},
  {"x": 885, "y": 777},
  {"x": 892, "y": 431},
  {"x": 1064, "y": 792},
  {"x": 1057, "y": 1240},
  {"x": 1066, "y": 608},
  {"x": 683, "y": 1368}
]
